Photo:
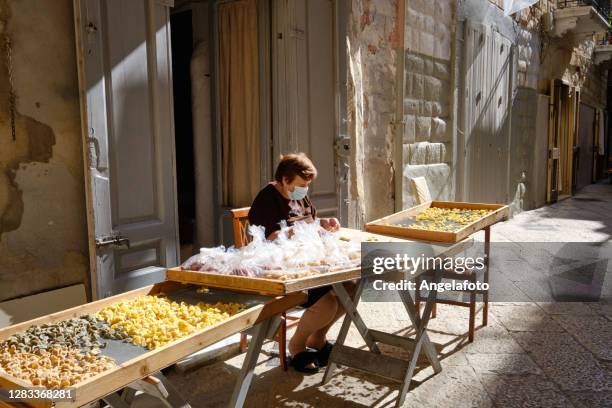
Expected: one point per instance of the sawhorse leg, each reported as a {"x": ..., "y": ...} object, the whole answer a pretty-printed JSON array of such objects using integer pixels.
[
  {"x": 114, "y": 400},
  {"x": 421, "y": 338},
  {"x": 418, "y": 321},
  {"x": 263, "y": 330},
  {"x": 156, "y": 385},
  {"x": 346, "y": 324}
]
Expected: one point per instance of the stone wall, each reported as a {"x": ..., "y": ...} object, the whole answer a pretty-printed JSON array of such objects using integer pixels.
[
  {"x": 372, "y": 35},
  {"x": 428, "y": 97},
  {"x": 43, "y": 235},
  {"x": 594, "y": 89},
  {"x": 525, "y": 161}
]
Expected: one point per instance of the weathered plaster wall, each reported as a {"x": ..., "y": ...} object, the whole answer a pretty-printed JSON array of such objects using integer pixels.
[
  {"x": 428, "y": 95},
  {"x": 372, "y": 34},
  {"x": 539, "y": 58},
  {"x": 595, "y": 87},
  {"x": 525, "y": 163},
  {"x": 43, "y": 239}
]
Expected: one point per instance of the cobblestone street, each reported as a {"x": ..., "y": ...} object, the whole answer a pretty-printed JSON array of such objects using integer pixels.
[{"x": 536, "y": 354}]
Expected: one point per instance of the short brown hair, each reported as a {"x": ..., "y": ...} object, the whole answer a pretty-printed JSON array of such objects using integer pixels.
[{"x": 295, "y": 164}]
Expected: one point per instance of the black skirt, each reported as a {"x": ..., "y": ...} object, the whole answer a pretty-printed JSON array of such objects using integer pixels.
[{"x": 315, "y": 294}]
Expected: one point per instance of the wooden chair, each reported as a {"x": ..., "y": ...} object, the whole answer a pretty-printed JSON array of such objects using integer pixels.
[
  {"x": 240, "y": 226},
  {"x": 423, "y": 195}
]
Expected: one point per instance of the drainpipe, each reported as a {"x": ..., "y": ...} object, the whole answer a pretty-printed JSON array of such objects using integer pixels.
[{"x": 398, "y": 119}]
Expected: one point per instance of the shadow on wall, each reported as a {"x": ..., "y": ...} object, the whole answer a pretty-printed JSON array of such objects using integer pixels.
[{"x": 34, "y": 144}]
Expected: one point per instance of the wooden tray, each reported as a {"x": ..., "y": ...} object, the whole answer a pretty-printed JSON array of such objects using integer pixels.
[
  {"x": 150, "y": 361},
  {"x": 262, "y": 286},
  {"x": 380, "y": 226},
  {"x": 275, "y": 286}
]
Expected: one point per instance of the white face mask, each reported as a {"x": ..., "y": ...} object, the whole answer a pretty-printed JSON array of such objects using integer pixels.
[{"x": 298, "y": 193}]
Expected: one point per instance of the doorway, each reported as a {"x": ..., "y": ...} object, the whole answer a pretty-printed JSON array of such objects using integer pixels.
[
  {"x": 182, "y": 50},
  {"x": 586, "y": 139},
  {"x": 294, "y": 87},
  {"x": 563, "y": 125}
]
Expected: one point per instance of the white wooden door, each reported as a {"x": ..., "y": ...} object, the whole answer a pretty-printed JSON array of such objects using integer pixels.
[
  {"x": 307, "y": 107},
  {"x": 488, "y": 68},
  {"x": 123, "y": 49}
]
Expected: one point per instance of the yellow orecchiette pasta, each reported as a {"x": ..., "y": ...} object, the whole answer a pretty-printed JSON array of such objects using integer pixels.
[
  {"x": 446, "y": 219},
  {"x": 153, "y": 321}
]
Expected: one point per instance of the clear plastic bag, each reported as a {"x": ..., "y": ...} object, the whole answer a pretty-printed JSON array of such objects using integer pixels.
[{"x": 310, "y": 250}]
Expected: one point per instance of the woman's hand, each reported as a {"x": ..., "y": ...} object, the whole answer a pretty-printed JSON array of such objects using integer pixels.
[
  {"x": 330, "y": 224},
  {"x": 274, "y": 235}
]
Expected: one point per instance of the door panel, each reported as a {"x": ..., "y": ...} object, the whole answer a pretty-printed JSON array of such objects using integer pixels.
[
  {"x": 318, "y": 136},
  {"x": 124, "y": 69},
  {"x": 305, "y": 88},
  {"x": 554, "y": 149},
  {"x": 562, "y": 136},
  {"x": 488, "y": 67}
]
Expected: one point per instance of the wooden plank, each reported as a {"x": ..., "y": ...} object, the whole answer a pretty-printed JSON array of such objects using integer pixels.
[
  {"x": 490, "y": 219},
  {"x": 310, "y": 282},
  {"x": 366, "y": 236},
  {"x": 469, "y": 206},
  {"x": 499, "y": 212},
  {"x": 238, "y": 283},
  {"x": 401, "y": 214},
  {"x": 377, "y": 364},
  {"x": 421, "y": 235},
  {"x": 405, "y": 343},
  {"x": 262, "y": 285},
  {"x": 139, "y": 367}
]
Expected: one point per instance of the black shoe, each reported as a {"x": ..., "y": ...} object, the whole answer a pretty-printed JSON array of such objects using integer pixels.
[
  {"x": 301, "y": 361},
  {"x": 323, "y": 354}
]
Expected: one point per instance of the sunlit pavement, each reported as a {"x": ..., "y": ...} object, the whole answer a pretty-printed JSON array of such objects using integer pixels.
[{"x": 535, "y": 354}]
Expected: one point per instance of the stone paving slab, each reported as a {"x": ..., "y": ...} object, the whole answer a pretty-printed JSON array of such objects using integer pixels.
[
  {"x": 601, "y": 308},
  {"x": 590, "y": 399},
  {"x": 566, "y": 362},
  {"x": 567, "y": 308},
  {"x": 455, "y": 386},
  {"x": 523, "y": 391},
  {"x": 594, "y": 333},
  {"x": 525, "y": 317},
  {"x": 536, "y": 290},
  {"x": 493, "y": 339},
  {"x": 503, "y": 364}
]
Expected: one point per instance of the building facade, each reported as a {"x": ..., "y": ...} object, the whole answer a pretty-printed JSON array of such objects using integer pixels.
[{"x": 486, "y": 106}]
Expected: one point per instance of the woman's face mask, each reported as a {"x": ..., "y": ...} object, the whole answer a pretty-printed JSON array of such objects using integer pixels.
[
  {"x": 300, "y": 188},
  {"x": 298, "y": 193}
]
